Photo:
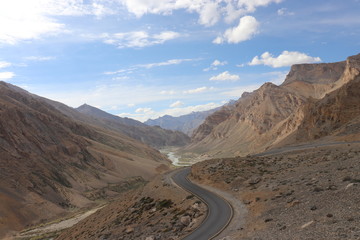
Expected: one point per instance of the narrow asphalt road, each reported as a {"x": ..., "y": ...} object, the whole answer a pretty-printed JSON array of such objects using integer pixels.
[{"x": 219, "y": 211}]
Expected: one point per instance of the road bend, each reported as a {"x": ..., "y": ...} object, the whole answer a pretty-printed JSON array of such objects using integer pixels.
[{"x": 219, "y": 211}]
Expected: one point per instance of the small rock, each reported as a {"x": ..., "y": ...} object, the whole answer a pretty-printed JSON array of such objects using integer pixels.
[
  {"x": 193, "y": 222},
  {"x": 307, "y": 224},
  {"x": 129, "y": 230},
  {"x": 185, "y": 220},
  {"x": 294, "y": 203},
  {"x": 329, "y": 215},
  {"x": 268, "y": 220},
  {"x": 318, "y": 189},
  {"x": 196, "y": 206},
  {"x": 349, "y": 185},
  {"x": 313, "y": 208},
  {"x": 254, "y": 180}
]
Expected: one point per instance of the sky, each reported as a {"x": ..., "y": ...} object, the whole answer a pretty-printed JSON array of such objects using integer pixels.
[{"x": 147, "y": 58}]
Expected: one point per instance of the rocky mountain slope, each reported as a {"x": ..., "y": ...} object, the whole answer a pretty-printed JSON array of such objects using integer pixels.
[
  {"x": 302, "y": 194},
  {"x": 318, "y": 97},
  {"x": 158, "y": 211},
  {"x": 185, "y": 123},
  {"x": 154, "y": 136},
  {"x": 52, "y": 164}
]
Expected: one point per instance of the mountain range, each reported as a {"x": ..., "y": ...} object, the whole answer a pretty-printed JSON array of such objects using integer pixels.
[
  {"x": 55, "y": 159},
  {"x": 154, "y": 136},
  {"x": 315, "y": 101},
  {"x": 185, "y": 123}
]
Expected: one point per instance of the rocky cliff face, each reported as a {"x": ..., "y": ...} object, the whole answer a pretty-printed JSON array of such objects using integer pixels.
[
  {"x": 51, "y": 163},
  {"x": 154, "y": 136},
  {"x": 323, "y": 73},
  {"x": 242, "y": 128},
  {"x": 338, "y": 112},
  {"x": 318, "y": 98}
]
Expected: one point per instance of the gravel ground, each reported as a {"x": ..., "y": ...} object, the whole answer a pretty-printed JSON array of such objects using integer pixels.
[{"x": 306, "y": 194}]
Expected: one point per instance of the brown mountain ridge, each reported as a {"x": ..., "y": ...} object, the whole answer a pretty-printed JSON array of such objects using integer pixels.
[
  {"x": 313, "y": 101},
  {"x": 52, "y": 164}
]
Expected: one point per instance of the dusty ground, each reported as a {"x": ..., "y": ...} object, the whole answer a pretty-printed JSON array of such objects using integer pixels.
[
  {"x": 307, "y": 194},
  {"x": 157, "y": 211}
]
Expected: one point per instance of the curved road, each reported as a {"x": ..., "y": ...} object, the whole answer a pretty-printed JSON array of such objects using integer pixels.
[{"x": 219, "y": 211}]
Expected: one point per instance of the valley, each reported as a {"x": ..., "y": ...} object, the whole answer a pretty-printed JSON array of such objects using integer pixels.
[{"x": 284, "y": 158}]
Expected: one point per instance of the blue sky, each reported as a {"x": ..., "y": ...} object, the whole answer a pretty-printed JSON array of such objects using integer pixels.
[{"x": 146, "y": 58}]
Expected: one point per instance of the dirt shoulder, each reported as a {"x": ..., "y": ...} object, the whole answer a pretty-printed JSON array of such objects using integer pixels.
[{"x": 305, "y": 194}]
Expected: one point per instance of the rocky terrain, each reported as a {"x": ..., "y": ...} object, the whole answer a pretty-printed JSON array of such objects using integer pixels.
[
  {"x": 312, "y": 194},
  {"x": 154, "y": 136},
  {"x": 52, "y": 164},
  {"x": 315, "y": 100},
  {"x": 158, "y": 211}
]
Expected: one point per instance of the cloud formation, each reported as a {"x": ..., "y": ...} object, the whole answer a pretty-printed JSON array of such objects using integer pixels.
[
  {"x": 284, "y": 12},
  {"x": 225, "y": 76},
  {"x": 285, "y": 59},
  {"x": 4, "y": 64},
  {"x": 32, "y": 19},
  {"x": 39, "y": 58},
  {"x": 198, "y": 90},
  {"x": 245, "y": 30},
  {"x": 165, "y": 63},
  {"x": 214, "y": 65},
  {"x": 6, "y": 75},
  {"x": 176, "y": 104},
  {"x": 173, "y": 111},
  {"x": 210, "y": 11},
  {"x": 138, "y": 39}
]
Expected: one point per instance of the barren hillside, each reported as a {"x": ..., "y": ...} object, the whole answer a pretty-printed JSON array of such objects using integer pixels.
[
  {"x": 154, "y": 136},
  {"x": 51, "y": 164}
]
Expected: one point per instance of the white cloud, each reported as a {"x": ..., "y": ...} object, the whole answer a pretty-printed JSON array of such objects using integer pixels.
[
  {"x": 284, "y": 12},
  {"x": 39, "y": 58},
  {"x": 144, "y": 110},
  {"x": 151, "y": 65},
  {"x": 198, "y": 90},
  {"x": 129, "y": 70},
  {"x": 165, "y": 63},
  {"x": 4, "y": 64},
  {"x": 176, "y": 104},
  {"x": 285, "y": 59},
  {"x": 209, "y": 11},
  {"x": 245, "y": 30},
  {"x": 120, "y": 78},
  {"x": 209, "y": 14},
  {"x": 170, "y": 92},
  {"x": 138, "y": 39},
  {"x": 177, "y": 111},
  {"x": 32, "y": 19},
  {"x": 215, "y": 64},
  {"x": 225, "y": 76},
  {"x": 6, "y": 75}
]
